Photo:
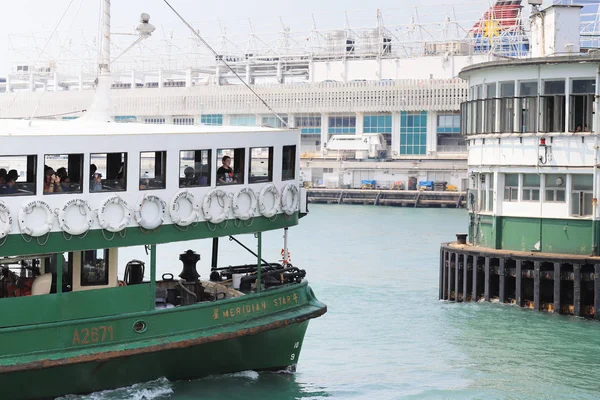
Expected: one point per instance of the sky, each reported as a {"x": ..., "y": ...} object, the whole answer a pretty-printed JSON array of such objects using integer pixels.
[{"x": 42, "y": 16}]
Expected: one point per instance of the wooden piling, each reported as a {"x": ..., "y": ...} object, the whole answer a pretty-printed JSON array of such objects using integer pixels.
[
  {"x": 501, "y": 271},
  {"x": 556, "y": 297},
  {"x": 577, "y": 290},
  {"x": 518, "y": 283}
]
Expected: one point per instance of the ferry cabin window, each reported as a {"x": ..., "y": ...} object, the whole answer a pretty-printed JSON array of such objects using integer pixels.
[
  {"x": 507, "y": 107},
  {"x": 108, "y": 172},
  {"x": 511, "y": 187},
  {"x": 582, "y": 194},
  {"x": 194, "y": 168},
  {"x": 63, "y": 173},
  {"x": 153, "y": 167},
  {"x": 261, "y": 164},
  {"x": 18, "y": 175},
  {"x": 555, "y": 187},
  {"x": 553, "y": 107},
  {"x": 531, "y": 187},
  {"x": 581, "y": 105},
  {"x": 288, "y": 163},
  {"x": 230, "y": 164},
  {"x": 94, "y": 268}
]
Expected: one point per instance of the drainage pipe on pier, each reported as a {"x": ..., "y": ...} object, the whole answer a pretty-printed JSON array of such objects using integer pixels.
[{"x": 595, "y": 183}]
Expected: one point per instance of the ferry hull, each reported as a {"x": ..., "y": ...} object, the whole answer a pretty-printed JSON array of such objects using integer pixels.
[{"x": 273, "y": 350}]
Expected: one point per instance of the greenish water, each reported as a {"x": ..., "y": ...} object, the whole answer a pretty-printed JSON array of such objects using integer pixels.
[{"x": 386, "y": 334}]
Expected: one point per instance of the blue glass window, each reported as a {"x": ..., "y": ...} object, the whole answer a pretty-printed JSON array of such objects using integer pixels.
[
  {"x": 343, "y": 124},
  {"x": 413, "y": 133},
  {"x": 243, "y": 120},
  {"x": 211, "y": 119},
  {"x": 378, "y": 123},
  {"x": 448, "y": 124}
]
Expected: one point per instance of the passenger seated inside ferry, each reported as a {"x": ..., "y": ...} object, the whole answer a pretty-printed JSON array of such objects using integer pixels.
[
  {"x": 68, "y": 173},
  {"x": 232, "y": 169},
  {"x": 197, "y": 175},
  {"x": 108, "y": 172},
  {"x": 13, "y": 183},
  {"x": 51, "y": 182}
]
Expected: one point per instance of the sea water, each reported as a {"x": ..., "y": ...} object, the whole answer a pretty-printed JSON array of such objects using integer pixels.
[{"x": 386, "y": 335}]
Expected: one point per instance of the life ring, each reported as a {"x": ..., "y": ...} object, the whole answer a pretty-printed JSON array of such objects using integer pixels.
[
  {"x": 5, "y": 220},
  {"x": 221, "y": 196},
  {"x": 28, "y": 209},
  {"x": 84, "y": 208},
  {"x": 174, "y": 207},
  {"x": 268, "y": 212},
  {"x": 158, "y": 220},
  {"x": 244, "y": 214},
  {"x": 114, "y": 226},
  {"x": 289, "y": 209}
]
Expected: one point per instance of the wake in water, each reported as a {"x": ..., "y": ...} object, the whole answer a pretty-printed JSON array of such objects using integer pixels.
[{"x": 160, "y": 389}]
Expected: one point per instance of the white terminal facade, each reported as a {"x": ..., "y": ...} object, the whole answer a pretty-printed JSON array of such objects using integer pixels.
[{"x": 399, "y": 93}]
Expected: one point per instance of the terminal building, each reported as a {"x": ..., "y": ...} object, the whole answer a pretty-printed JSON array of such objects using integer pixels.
[{"x": 395, "y": 85}]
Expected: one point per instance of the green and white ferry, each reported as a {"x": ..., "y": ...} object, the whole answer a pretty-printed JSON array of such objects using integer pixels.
[{"x": 73, "y": 194}]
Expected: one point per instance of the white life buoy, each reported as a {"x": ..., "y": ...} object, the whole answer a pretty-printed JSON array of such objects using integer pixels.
[
  {"x": 158, "y": 219},
  {"x": 41, "y": 229},
  {"x": 85, "y": 210},
  {"x": 114, "y": 226},
  {"x": 224, "y": 203},
  {"x": 268, "y": 212},
  {"x": 174, "y": 208},
  {"x": 240, "y": 213},
  {"x": 5, "y": 220},
  {"x": 292, "y": 190}
]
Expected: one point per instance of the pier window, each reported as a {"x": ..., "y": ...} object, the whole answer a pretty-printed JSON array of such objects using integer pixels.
[
  {"x": 288, "y": 163},
  {"x": 155, "y": 121},
  {"x": 108, "y": 172},
  {"x": 490, "y": 192},
  {"x": 531, "y": 187},
  {"x": 552, "y": 107},
  {"x": 413, "y": 132},
  {"x": 582, "y": 105},
  {"x": 527, "y": 106},
  {"x": 272, "y": 121},
  {"x": 18, "y": 175},
  {"x": 194, "y": 168},
  {"x": 507, "y": 107},
  {"x": 184, "y": 121},
  {"x": 231, "y": 164},
  {"x": 309, "y": 124},
  {"x": 555, "y": 188},
  {"x": 153, "y": 170},
  {"x": 342, "y": 124},
  {"x": 490, "y": 109},
  {"x": 94, "y": 267},
  {"x": 582, "y": 194},
  {"x": 511, "y": 187},
  {"x": 211, "y": 119},
  {"x": 243, "y": 120},
  {"x": 63, "y": 173},
  {"x": 261, "y": 164}
]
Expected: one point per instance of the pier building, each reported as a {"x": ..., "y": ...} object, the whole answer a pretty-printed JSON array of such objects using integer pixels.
[{"x": 532, "y": 129}]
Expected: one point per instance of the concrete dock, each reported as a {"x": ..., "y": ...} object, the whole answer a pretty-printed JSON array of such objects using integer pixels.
[{"x": 398, "y": 198}]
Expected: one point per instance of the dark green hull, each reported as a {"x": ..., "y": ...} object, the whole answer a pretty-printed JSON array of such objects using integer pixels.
[
  {"x": 257, "y": 332},
  {"x": 270, "y": 350}
]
